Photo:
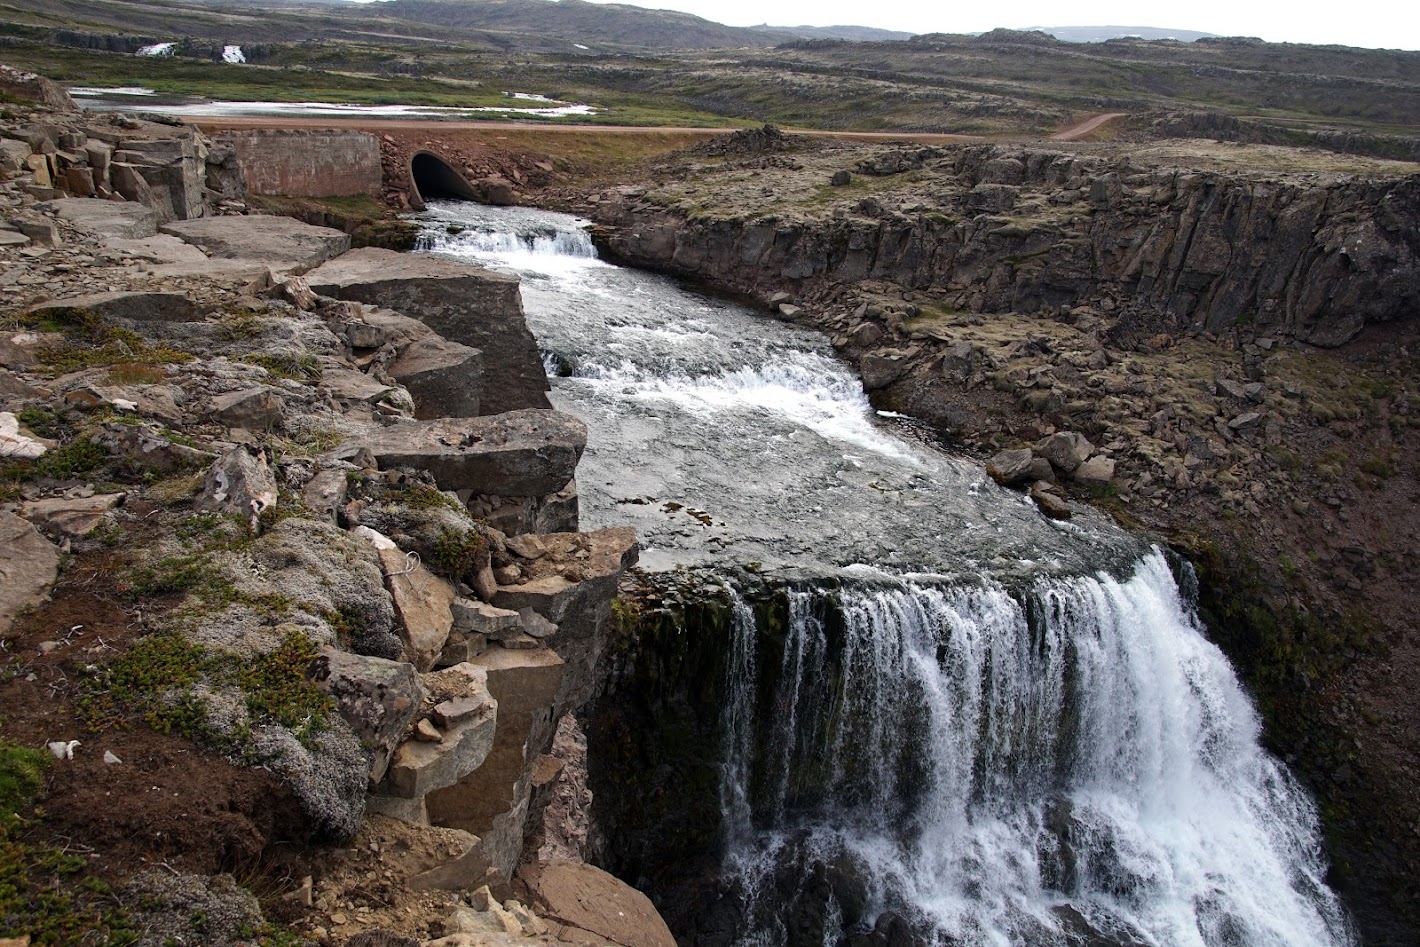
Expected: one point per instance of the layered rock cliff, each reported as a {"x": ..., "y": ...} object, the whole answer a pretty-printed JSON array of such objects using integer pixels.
[
  {"x": 1002, "y": 229},
  {"x": 1224, "y": 331}
]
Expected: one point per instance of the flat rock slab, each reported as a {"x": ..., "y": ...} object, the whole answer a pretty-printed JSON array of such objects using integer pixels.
[
  {"x": 161, "y": 248},
  {"x": 134, "y": 306},
  {"x": 520, "y": 453},
  {"x": 29, "y": 564},
  {"x": 63, "y": 516},
  {"x": 588, "y": 898},
  {"x": 259, "y": 238},
  {"x": 124, "y": 220},
  {"x": 463, "y": 303}
]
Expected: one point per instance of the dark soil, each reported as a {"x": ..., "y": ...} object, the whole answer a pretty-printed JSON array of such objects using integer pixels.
[{"x": 168, "y": 801}]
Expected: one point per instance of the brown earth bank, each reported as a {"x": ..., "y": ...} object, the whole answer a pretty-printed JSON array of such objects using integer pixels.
[{"x": 1232, "y": 331}]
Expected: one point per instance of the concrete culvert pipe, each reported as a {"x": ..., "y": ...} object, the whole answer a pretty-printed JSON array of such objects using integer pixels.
[{"x": 431, "y": 179}]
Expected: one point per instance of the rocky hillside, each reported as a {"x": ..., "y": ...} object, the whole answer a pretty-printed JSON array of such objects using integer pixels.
[
  {"x": 1213, "y": 342},
  {"x": 293, "y": 590},
  {"x": 581, "y": 22}
]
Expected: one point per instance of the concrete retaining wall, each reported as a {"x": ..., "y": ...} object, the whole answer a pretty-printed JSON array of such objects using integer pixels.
[{"x": 326, "y": 163}]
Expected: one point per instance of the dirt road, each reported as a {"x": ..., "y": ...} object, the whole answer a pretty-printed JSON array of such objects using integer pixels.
[{"x": 1082, "y": 129}]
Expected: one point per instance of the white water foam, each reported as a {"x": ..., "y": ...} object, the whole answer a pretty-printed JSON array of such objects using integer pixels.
[
  {"x": 83, "y": 91},
  {"x": 987, "y": 768},
  {"x": 811, "y": 390},
  {"x": 1002, "y": 769}
]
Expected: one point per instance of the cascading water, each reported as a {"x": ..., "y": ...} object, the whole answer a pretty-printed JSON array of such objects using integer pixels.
[{"x": 976, "y": 726}]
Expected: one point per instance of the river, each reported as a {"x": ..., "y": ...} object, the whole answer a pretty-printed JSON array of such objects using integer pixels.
[{"x": 983, "y": 726}]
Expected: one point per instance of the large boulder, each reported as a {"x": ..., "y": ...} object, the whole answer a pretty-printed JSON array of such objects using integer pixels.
[
  {"x": 283, "y": 242},
  {"x": 29, "y": 564},
  {"x": 1011, "y": 467},
  {"x": 879, "y": 371},
  {"x": 1099, "y": 469},
  {"x": 240, "y": 482},
  {"x": 1065, "y": 450},
  {"x": 71, "y": 516},
  {"x": 445, "y": 378},
  {"x": 466, "y": 304},
  {"x": 18, "y": 85},
  {"x": 591, "y": 900},
  {"x": 520, "y": 453},
  {"x": 378, "y": 698}
]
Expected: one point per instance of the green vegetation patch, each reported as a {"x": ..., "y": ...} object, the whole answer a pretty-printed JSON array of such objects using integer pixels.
[
  {"x": 45, "y": 892},
  {"x": 157, "y": 680},
  {"x": 456, "y": 553},
  {"x": 72, "y": 460},
  {"x": 90, "y": 342},
  {"x": 303, "y": 368}
]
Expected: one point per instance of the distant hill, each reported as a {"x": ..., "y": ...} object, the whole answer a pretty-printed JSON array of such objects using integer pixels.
[
  {"x": 862, "y": 34},
  {"x": 577, "y": 21},
  {"x": 1098, "y": 34}
]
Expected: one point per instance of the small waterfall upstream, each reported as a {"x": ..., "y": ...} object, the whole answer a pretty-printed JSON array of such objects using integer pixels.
[{"x": 973, "y": 726}]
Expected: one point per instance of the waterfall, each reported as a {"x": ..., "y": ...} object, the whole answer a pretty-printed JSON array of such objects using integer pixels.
[
  {"x": 510, "y": 247},
  {"x": 1049, "y": 755},
  {"x": 1002, "y": 771}
]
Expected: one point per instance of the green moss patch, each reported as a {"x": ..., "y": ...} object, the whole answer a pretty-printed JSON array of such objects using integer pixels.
[{"x": 156, "y": 681}]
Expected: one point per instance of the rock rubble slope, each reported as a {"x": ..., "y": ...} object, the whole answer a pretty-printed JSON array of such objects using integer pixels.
[{"x": 241, "y": 558}]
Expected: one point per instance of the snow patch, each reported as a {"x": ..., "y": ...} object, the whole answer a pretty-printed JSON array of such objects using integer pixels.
[
  {"x": 233, "y": 54},
  {"x": 157, "y": 49}
]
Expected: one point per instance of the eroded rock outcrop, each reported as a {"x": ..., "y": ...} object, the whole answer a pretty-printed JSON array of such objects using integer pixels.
[
  {"x": 275, "y": 559},
  {"x": 1312, "y": 258},
  {"x": 464, "y": 304}
]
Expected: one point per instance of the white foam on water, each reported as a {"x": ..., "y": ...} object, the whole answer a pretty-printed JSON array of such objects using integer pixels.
[{"x": 1100, "y": 756}]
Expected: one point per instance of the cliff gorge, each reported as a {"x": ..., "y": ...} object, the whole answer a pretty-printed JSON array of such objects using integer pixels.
[
  {"x": 1225, "y": 330},
  {"x": 1314, "y": 257}
]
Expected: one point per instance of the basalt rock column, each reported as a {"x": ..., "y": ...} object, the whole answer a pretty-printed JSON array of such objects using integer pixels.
[{"x": 464, "y": 303}]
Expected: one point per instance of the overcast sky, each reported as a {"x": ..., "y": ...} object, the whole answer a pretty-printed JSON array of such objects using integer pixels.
[{"x": 1390, "y": 25}]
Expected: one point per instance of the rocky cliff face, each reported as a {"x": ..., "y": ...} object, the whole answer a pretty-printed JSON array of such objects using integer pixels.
[
  {"x": 1227, "y": 329},
  {"x": 1011, "y": 230}
]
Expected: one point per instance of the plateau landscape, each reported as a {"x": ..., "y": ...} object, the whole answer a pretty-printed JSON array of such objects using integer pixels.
[{"x": 488, "y": 473}]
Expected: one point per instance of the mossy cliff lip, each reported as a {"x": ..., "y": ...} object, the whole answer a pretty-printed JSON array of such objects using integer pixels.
[{"x": 1270, "y": 443}]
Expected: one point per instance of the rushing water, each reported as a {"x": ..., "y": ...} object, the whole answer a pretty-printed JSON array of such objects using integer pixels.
[{"x": 983, "y": 726}]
